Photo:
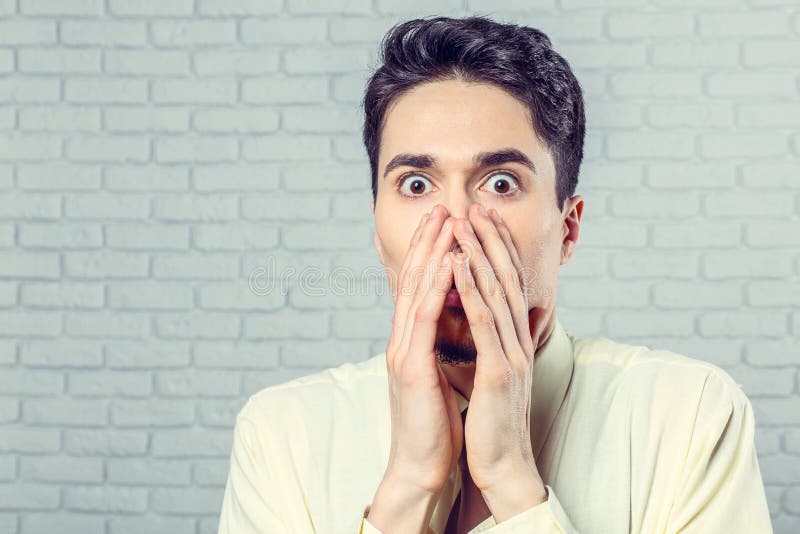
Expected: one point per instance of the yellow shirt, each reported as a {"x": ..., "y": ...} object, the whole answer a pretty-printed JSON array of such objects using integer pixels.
[{"x": 626, "y": 439}]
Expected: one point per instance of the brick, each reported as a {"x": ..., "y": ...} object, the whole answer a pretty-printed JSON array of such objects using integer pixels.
[
  {"x": 9, "y": 413},
  {"x": 234, "y": 236},
  {"x": 326, "y": 237},
  {"x": 746, "y": 264},
  {"x": 197, "y": 324},
  {"x": 107, "y": 324},
  {"x": 61, "y": 353},
  {"x": 613, "y": 114},
  {"x": 338, "y": 7},
  {"x": 743, "y": 24},
  {"x": 30, "y": 440},
  {"x": 771, "y": 411},
  {"x": 148, "y": 8},
  {"x": 245, "y": 120},
  {"x": 281, "y": 89},
  {"x": 62, "y": 295},
  {"x": 289, "y": 147},
  {"x": 161, "y": 62},
  {"x": 621, "y": 145},
  {"x": 603, "y": 56},
  {"x": 705, "y": 115},
  {"x": 58, "y": 176},
  {"x": 190, "y": 501},
  {"x": 278, "y": 206},
  {"x": 69, "y": 235},
  {"x": 751, "y": 84},
  {"x": 726, "y": 145},
  {"x": 62, "y": 521},
  {"x": 772, "y": 353},
  {"x": 744, "y": 204},
  {"x": 318, "y": 59},
  {"x": 64, "y": 412},
  {"x": 196, "y": 383},
  {"x": 146, "y": 178},
  {"x": 322, "y": 119},
  {"x": 18, "y": 146},
  {"x": 106, "y": 264},
  {"x": 56, "y": 7},
  {"x": 196, "y": 32},
  {"x": 151, "y": 236},
  {"x": 613, "y": 234},
  {"x": 743, "y": 323},
  {"x": 239, "y": 296},
  {"x": 28, "y": 496},
  {"x": 200, "y": 266},
  {"x": 190, "y": 92},
  {"x": 773, "y": 293},
  {"x": 109, "y": 384},
  {"x": 148, "y": 472},
  {"x": 647, "y": 323},
  {"x": 658, "y": 204},
  {"x": 108, "y": 148},
  {"x": 105, "y": 90},
  {"x": 196, "y": 208},
  {"x": 284, "y": 31},
  {"x": 123, "y": 354},
  {"x": 695, "y": 54},
  {"x": 152, "y": 412},
  {"x": 236, "y": 177},
  {"x": 202, "y": 443},
  {"x": 29, "y": 265},
  {"x": 324, "y": 353},
  {"x": 23, "y": 32},
  {"x": 692, "y": 235},
  {"x": 238, "y": 354},
  {"x": 772, "y": 53},
  {"x": 59, "y": 119},
  {"x": 768, "y": 114},
  {"x": 106, "y": 498},
  {"x": 236, "y": 62},
  {"x": 238, "y": 7},
  {"x": 770, "y": 235},
  {"x": 287, "y": 324},
  {"x": 695, "y": 294},
  {"x": 31, "y": 382},
  {"x": 106, "y": 32},
  {"x": 626, "y": 25},
  {"x": 150, "y": 296},
  {"x": 106, "y": 206},
  {"x": 664, "y": 84},
  {"x": 365, "y": 30},
  {"x": 691, "y": 175},
  {"x": 58, "y": 61},
  {"x": 20, "y": 89},
  {"x": 136, "y": 524},
  {"x": 211, "y": 473},
  {"x": 61, "y": 469}
]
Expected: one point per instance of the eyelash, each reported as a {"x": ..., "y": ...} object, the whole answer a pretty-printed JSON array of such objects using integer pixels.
[{"x": 403, "y": 177}]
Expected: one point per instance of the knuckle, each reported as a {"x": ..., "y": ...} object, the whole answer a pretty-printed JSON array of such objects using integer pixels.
[{"x": 484, "y": 317}]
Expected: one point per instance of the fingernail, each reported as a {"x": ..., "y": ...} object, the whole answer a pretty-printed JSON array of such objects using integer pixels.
[
  {"x": 446, "y": 260},
  {"x": 494, "y": 215},
  {"x": 447, "y": 224},
  {"x": 468, "y": 226}
]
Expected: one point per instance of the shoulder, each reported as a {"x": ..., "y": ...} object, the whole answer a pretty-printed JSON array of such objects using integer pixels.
[{"x": 347, "y": 386}]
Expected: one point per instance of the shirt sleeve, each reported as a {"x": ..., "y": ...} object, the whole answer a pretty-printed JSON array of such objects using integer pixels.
[
  {"x": 369, "y": 528},
  {"x": 253, "y": 502},
  {"x": 544, "y": 518},
  {"x": 720, "y": 487}
]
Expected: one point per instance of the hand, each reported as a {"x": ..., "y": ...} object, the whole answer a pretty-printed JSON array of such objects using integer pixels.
[
  {"x": 490, "y": 281},
  {"x": 427, "y": 432}
]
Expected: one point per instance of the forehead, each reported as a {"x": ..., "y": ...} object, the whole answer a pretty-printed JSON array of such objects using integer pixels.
[{"x": 456, "y": 120}]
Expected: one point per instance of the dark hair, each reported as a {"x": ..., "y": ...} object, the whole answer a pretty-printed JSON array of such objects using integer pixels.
[{"x": 476, "y": 49}]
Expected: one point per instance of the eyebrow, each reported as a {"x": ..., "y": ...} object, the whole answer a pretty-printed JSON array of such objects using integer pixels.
[{"x": 481, "y": 159}]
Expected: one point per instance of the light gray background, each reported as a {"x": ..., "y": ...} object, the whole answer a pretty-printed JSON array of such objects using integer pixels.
[{"x": 154, "y": 154}]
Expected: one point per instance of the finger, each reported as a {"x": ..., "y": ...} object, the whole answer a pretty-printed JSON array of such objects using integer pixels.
[
  {"x": 506, "y": 272},
  {"x": 425, "y": 318},
  {"x": 438, "y": 250},
  {"x": 414, "y": 262},
  {"x": 397, "y": 323},
  {"x": 505, "y": 235},
  {"x": 481, "y": 320},
  {"x": 490, "y": 289}
]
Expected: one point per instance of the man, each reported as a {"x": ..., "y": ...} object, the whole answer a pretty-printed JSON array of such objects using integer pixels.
[{"x": 483, "y": 414}]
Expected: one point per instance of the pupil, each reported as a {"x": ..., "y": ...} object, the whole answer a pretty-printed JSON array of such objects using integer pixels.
[
  {"x": 499, "y": 182},
  {"x": 416, "y": 185}
]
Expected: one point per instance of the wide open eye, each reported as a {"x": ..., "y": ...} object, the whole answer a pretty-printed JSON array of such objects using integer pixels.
[
  {"x": 500, "y": 183},
  {"x": 414, "y": 185}
]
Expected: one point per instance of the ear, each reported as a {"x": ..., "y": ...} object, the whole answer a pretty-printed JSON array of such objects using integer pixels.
[{"x": 571, "y": 227}]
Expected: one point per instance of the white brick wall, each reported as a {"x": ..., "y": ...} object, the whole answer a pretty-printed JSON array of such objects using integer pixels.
[{"x": 154, "y": 154}]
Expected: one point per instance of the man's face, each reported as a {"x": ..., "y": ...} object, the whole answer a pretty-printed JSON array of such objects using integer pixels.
[{"x": 453, "y": 121}]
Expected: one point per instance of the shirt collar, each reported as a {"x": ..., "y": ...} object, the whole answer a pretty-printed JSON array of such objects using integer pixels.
[{"x": 552, "y": 371}]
